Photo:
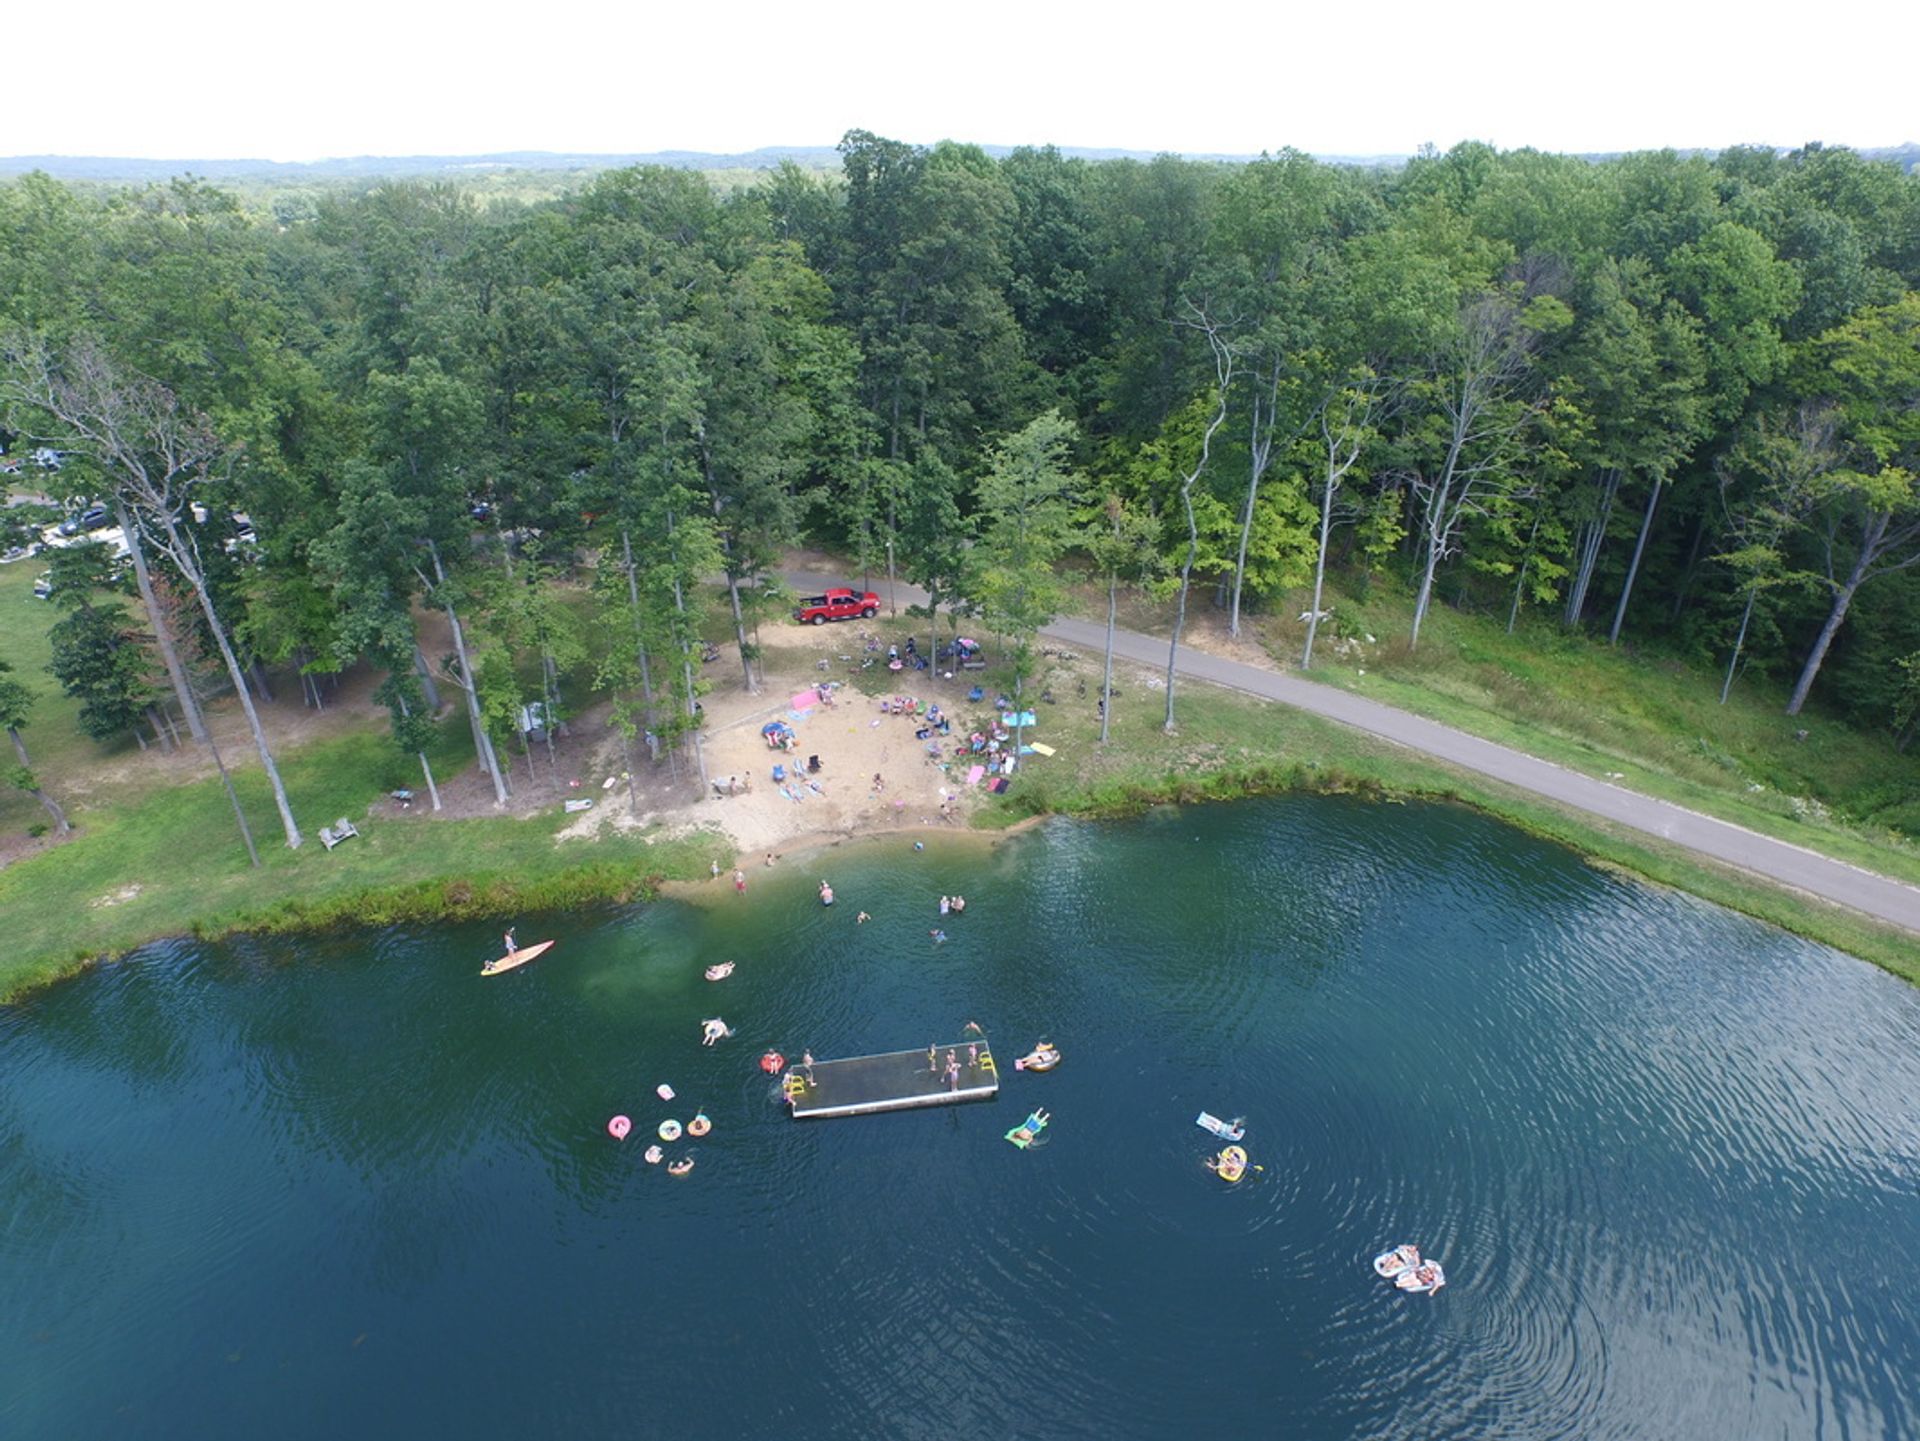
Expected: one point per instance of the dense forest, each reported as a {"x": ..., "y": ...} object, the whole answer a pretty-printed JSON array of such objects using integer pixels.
[{"x": 1658, "y": 399}]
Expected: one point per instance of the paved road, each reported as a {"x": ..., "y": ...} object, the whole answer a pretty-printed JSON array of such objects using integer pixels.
[{"x": 1791, "y": 865}]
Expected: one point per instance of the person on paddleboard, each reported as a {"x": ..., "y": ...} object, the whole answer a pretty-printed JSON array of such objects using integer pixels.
[{"x": 511, "y": 947}]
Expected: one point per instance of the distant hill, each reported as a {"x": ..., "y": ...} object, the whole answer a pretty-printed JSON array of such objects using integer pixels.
[{"x": 110, "y": 170}]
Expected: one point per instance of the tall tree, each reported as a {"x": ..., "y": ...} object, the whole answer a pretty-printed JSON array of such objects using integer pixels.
[
  {"x": 155, "y": 455},
  {"x": 1026, "y": 504},
  {"x": 1871, "y": 510},
  {"x": 15, "y": 702}
]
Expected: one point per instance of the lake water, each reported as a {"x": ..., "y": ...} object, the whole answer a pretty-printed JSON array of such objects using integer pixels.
[{"x": 343, "y": 1186}]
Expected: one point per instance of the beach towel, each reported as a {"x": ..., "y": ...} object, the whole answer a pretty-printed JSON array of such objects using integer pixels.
[
  {"x": 973, "y": 776},
  {"x": 806, "y": 699},
  {"x": 1025, "y": 718},
  {"x": 999, "y": 785},
  {"x": 1038, "y": 749}
]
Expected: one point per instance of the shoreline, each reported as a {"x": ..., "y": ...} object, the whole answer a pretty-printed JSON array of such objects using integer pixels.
[
  {"x": 603, "y": 883},
  {"x": 1258, "y": 752}
]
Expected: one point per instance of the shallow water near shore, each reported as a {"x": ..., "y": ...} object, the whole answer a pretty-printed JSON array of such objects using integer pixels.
[{"x": 342, "y": 1185}]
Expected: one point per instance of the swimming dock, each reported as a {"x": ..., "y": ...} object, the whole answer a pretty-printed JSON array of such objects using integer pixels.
[{"x": 896, "y": 1081}]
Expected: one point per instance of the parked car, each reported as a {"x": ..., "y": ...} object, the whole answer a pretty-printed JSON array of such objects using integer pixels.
[
  {"x": 96, "y": 517},
  {"x": 43, "y": 585},
  {"x": 837, "y": 604}
]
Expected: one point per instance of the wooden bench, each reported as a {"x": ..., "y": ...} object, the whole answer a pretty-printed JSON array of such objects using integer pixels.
[{"x": 340, "y": 830}]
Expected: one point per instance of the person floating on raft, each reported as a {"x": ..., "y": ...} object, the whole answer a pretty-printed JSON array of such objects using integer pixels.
[
  {"x": 1230, "y": 1164},
  {"x": 714, "y": 1030},
  {"x": 1028, "y": 1131},
  {"x": 1043, "y": 1057},
  {"x": 1424, "y": 1279},
  {"x": 1389, "y": 1264}
]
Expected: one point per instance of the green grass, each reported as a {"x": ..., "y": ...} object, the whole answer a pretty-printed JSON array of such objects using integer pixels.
[
  {"x": 1646, "y": 719},
  {"x": 179, "y": 848}
]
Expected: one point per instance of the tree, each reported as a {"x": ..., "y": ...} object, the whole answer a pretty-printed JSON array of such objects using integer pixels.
[
  {"x": 15, "y": 702},
  {"x": 1346, "y": 425},
  {"x": 1789, "y": 459},
  {"x": 1026, "y": 505},
  {"x": 1464, "y": 460},
  {"x": 1120, "y": 537},
  {"x": 155, "y": 455},
  {"x": 1223, "y": 358},
  {"x": 1870, "y": 504}
]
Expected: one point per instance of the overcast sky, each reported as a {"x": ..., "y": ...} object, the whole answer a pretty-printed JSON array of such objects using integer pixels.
[{"x": 229, "y": 79}]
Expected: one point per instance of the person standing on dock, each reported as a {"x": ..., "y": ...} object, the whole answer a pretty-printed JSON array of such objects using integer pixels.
[
  {"x": 933, "y": 1059},
  {"x": 806, "y": 1064}
]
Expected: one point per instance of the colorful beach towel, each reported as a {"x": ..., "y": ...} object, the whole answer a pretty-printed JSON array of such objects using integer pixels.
[{"x": 973, "y": 776}]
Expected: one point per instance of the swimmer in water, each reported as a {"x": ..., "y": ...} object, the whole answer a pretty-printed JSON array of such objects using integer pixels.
[{"x": 938, "y": 936}]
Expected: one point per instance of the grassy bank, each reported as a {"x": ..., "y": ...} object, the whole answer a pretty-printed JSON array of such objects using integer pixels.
[
  {"x": 167, "y": 861},
  {"x": 1647, "y": 719}
]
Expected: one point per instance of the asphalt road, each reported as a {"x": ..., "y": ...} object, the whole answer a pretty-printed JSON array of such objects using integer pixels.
[{"x": 1790, "y": 865}]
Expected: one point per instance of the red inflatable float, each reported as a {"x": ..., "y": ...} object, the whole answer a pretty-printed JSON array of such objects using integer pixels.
[{"x": 773, "y": 1063}]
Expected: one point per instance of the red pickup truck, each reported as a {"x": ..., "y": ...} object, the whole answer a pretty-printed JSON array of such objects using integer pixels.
[{"x": 838, "y": 604}]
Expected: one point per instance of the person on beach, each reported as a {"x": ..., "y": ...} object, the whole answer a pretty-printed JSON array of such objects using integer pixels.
[
  {"x": 769, "y": 857},
  {"x": 714, "y": 866}
]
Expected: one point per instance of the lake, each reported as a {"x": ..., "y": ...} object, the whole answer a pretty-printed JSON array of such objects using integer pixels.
[{"x": 343, "y": 1186}]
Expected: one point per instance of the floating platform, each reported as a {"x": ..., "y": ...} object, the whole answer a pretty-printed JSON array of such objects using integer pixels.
[{"x": 896, "y": 1081}]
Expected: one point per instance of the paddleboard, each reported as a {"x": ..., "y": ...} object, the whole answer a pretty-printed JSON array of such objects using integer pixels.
[{"x": 518, "y": 958}]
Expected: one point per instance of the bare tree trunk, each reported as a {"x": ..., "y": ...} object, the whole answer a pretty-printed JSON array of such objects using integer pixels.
[
  {"x": 639, "y": 643},
  {"x": 1106, "y": 679},
  {"x": 469, "y": 684},
  {"x": 1259, "y": 451},
  {"x": 1319, "y": 572},
  {"x": 181, "y": 551},
  {"x": 1223, "y": 380},
  {"x": 427, "y": 683},
  {"x": 1739, "y": 643},
  {"x": 1520, "y": 581},
  {"x": 159, "y": 731},
  {"x": 233, "y": 799},
  {"x": 257, "y": 674},
  {"x": 426, "y": 769},
  {"x": 162, "y": 635},
  {"x": 47, "y": 802},
  {"x": 1593, "y": 535},
  {"x": 1633, "y": 567},
  {"x": 1842, "y": 599}
]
